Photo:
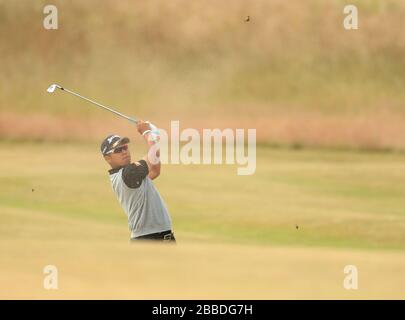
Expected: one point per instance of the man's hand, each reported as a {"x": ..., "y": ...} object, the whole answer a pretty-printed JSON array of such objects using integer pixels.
[
  {"x": 145, "y": 129},
  {"x": 142, "y": 126}
]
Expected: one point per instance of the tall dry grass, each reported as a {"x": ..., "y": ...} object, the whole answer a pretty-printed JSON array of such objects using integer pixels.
[{"x": 292, "y": 71}]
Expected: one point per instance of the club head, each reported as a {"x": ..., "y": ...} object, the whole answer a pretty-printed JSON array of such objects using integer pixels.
[{"x": 52, "y": 88}]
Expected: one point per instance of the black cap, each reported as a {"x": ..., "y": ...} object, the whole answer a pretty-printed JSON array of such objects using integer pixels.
[{"x": 111, "y": 142}]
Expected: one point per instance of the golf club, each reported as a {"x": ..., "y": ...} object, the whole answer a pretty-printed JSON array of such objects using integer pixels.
[{"x": 55, "y": 86}]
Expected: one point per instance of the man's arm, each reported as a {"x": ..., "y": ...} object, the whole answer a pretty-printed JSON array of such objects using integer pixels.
[
  {"x": 134, "y": 173},
  {"x": 152, "y": 158}
]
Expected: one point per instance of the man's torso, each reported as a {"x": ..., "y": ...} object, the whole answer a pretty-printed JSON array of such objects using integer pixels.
[{"x": 145, "y": 208}]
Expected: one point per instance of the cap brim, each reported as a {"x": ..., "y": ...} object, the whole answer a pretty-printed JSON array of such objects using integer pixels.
[{"x": 123, "y": 140}]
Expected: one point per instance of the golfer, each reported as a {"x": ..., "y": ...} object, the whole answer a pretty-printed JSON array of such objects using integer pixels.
[{"x": 148, "y": 217}]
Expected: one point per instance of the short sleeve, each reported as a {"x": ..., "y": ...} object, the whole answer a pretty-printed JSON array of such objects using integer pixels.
[{"x": 133, "y": 174}]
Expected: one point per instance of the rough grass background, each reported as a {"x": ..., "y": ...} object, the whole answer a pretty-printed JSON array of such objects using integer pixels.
[{"x": 293, "y": 72}]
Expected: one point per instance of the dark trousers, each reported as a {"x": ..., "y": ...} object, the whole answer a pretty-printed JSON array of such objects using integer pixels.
[{"x": 165, "y": 236}]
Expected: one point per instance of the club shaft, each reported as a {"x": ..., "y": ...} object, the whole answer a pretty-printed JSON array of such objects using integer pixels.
[{"x": 100, "y": 105}]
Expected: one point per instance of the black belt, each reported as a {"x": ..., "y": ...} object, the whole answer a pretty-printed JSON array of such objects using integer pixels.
[{"x": 164, "y": 235}]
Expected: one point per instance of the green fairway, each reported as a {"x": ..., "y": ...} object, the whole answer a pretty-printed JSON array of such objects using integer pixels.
[
  {"x": 335, "y": 198},
  {"x": 324, "y": 209}
]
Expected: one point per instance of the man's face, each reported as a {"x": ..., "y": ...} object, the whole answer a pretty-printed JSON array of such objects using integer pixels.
[{"x": 120, "y": 157}]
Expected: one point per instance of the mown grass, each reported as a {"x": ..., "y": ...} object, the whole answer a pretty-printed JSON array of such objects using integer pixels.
[
  {"x": 285, "y": 232},
  {"x": 338, "y": 199}
]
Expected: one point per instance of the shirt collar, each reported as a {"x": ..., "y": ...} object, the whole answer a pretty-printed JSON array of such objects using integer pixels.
[{"x": 115, "y": 170}]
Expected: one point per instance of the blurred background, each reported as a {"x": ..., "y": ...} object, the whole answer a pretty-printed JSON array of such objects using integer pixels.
[
  {"x": 292, "y": 71},
  {"x": 328, "y": 107}
]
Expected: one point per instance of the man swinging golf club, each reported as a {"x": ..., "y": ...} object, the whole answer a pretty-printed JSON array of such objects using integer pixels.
[{"x": 148, "y": 217}]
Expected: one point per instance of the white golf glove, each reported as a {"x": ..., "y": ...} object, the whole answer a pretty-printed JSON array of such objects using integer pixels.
[{"x": 154, "y": 132}]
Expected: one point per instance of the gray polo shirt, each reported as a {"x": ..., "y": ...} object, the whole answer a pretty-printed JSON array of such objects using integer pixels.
[{"x": 142, "y": 203}]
